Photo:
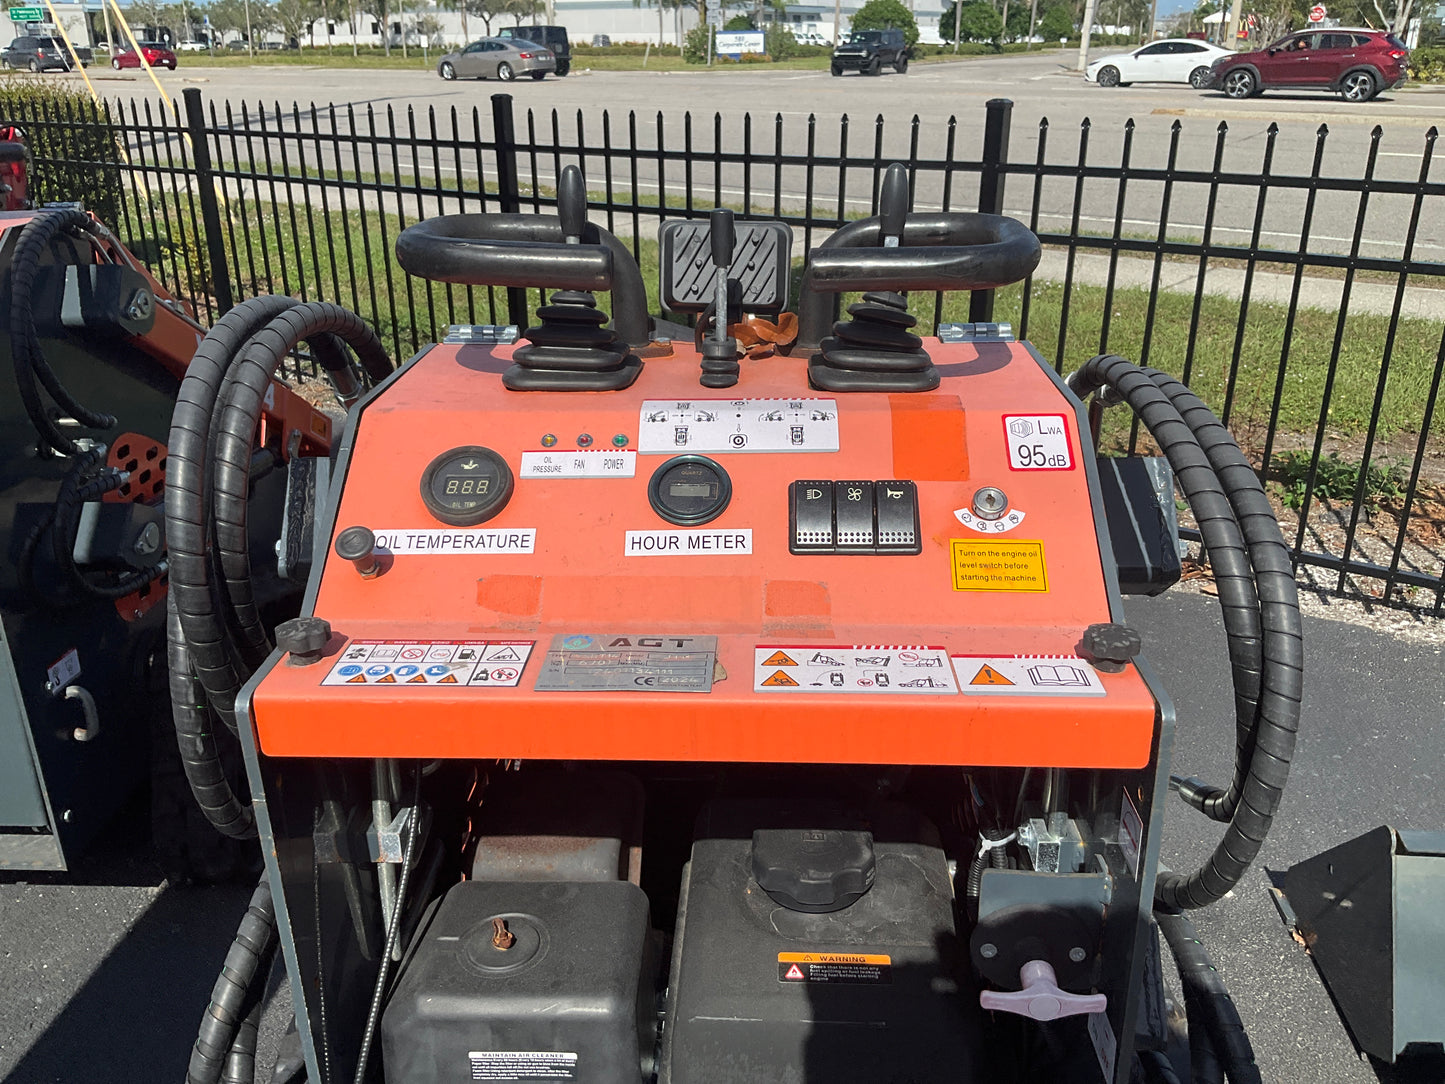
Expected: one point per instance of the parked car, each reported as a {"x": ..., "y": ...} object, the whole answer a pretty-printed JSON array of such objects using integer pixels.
[
  {"x": 40, "y": 54},
  {"x": 553, "y": 38},
  {"x": 192, "y": 47},
  {"x": 156, "y": 54},
  {"x": 1355, "y": 63},
  {"x": 1173, "y": 60},
  {"x": 494, "y": 58},
  {"x": 601, "y": 41},
  {"x": 867, "y": 51}
]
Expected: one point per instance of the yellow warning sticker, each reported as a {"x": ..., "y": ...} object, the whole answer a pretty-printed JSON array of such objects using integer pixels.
[
  {"x": 840, "y": 968},
  {"x": 779, "y": 658},
  {"x": 998, "y": 565}
]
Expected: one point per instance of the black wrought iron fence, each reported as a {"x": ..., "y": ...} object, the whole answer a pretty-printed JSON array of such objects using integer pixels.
[{"x": 1303, "y": 301}]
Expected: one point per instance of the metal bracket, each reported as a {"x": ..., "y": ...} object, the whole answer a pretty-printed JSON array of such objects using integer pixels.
[{"x": 87, "y": 707}]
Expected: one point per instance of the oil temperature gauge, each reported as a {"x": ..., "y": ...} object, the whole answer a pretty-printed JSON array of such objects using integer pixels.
[{"x": 466, "y": 486}]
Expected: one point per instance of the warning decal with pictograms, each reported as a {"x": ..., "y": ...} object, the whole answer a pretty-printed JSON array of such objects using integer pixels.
[
  {"x": 852, "y": 669},
  {"x": 426, "y": 663},
  {"x": 1027, "y": 675}
]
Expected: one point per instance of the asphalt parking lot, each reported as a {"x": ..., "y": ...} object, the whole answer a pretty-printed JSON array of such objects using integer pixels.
[
  {"x": 104, "y": 972},
  {"x": 787, "y": 109}
]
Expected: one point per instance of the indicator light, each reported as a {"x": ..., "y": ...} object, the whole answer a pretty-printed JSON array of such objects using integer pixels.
[
  {"x": 620, "y": 440},
  {"x": 584, "y": 440},
  {"x": 549, "y": 440}
]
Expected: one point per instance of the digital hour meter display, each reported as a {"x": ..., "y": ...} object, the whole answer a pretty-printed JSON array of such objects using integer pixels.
[
  {"x": 689, "y": 490},
  {"x": 466, "y": 486}
]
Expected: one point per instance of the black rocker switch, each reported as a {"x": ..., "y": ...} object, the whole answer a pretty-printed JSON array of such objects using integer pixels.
[
  {"x": 853, "y": 516},
  {"x": 897, "y": 504},
  {"x": 810, "y": 517}
]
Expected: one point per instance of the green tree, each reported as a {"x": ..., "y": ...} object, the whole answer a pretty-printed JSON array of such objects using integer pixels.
[
  {"x": 296, "y": 16},
  {"x": 977, "y": 21},
  {"x": 227, "y": 17},
  {"x": 695, "y": 44},
  {"x": 381, "y": 11},
  {"x": 1056, "y": 22},
  {"x": 521, "y": 11},
  {"x": 739, "y": 22},
  {"x": 887, "y": 15}
]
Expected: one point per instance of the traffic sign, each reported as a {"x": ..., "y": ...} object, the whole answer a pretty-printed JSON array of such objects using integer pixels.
[
  {"x": 1317, "y": 13},
  {"x": 27, "y": 15}
]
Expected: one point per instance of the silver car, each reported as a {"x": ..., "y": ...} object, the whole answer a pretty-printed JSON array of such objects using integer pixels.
[{"x": 496, "y": 58}]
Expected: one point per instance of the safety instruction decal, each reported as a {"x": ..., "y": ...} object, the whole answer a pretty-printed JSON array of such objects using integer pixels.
[
  {"x": 627, "y": 662},
  {"x": 520, "y": 1065},
  {"x": 676, "y": 426},
  {"x": 1026, "y": 675},
  {"x": 456, "y": 540},
  {"x": 836, "y": 968},
  {"x": 581, "y": 463},
  {"x": 415, "y": 664},
  {"x": 998, "y": 565},
  {"x": 866, "y": 668},
  {"x": 1038, "y": 442}
]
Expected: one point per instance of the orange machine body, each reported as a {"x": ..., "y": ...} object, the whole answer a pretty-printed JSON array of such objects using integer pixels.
[{"x": 995, "y": 596}]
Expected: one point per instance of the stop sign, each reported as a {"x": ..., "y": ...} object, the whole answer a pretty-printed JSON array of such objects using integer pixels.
[{"x": 1317, "y": 13}]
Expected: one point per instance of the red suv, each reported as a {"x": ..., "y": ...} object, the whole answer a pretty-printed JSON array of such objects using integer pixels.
[{"x": 1358, "y": 64}]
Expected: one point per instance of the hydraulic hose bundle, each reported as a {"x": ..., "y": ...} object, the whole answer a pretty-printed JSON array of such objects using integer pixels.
[
  {"x": 1260, "y": 603},
  {"x": 215, "y": 634},
  {"x": 32, "y": 372}
]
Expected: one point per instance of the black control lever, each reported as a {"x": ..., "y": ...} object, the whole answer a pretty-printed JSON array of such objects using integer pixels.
[
  {"x": 893, "y": 203},
  {"x": 572, "y": 205},
  {"x": 722, "y": 236},
  {"x": 720, "y": 350}
]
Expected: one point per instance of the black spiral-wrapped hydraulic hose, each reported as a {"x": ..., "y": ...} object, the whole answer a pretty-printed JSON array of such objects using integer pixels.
[
  {"x": 28, "y": 358},
  {"x": 1260, "y": 605},
  {"x": 1218, "y": 1045},
  {"x": 228, "y": 1029}
]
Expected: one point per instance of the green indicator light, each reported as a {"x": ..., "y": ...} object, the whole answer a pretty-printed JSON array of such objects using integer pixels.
[{"x": 620, "y": 440}]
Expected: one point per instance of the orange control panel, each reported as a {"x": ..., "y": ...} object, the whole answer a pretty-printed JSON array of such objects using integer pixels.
[{"x": 670, "y": 572}]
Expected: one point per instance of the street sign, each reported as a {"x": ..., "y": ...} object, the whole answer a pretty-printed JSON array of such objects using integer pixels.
[
  {"x": 715, "y": 13},
  {"x": 27, "y": 15},
  {"x": 1317, "y": 13}
]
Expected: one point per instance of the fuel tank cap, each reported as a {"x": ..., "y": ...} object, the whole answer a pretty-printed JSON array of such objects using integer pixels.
[{"x": 815, "y": 871}]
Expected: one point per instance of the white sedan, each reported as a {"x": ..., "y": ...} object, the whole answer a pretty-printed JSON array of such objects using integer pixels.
[{"x": 1173, "y": 60}]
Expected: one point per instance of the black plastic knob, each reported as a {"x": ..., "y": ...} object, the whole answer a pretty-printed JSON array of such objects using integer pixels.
[
  {"x": 721, "y": 234},
  {"x": 358, "y": 545},
  {"x": 1108, "y": 646},
  {"x": 304, "y": 639},
  {"x": 813, "y": 871}
]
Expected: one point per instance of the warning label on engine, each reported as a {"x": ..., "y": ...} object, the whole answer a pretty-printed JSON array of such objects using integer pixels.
[
  {"x": 837, "y": 968},
  {"x": 1027, "y": 675},
  {"x": 522, "y": 1064},
  {"x": 997, "y": 565},
  {"x": 865, "y": 668},
  {"x": 1038, "y": 442},
  {"x": 413, "y": 664}
]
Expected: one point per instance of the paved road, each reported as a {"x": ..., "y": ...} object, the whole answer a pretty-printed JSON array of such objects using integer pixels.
[
  {"x": 104, "y": 973},
  {"x": 938, "y": 95}
]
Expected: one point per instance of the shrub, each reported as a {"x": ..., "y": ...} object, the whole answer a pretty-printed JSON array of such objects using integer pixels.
[
  {"x": 74, "y": 145},
  {"x": 1336, "y": 479},
  {"x": 1428, "y": 65}
]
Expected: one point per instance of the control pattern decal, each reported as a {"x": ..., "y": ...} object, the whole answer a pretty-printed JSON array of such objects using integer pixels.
[{"x": 738, "y": 425}]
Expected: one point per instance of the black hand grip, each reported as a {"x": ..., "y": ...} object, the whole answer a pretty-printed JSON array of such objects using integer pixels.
[
  {"x": 720, "y": 224},
  {"x": 893, "y": 202},
  {"x": 572, "y": 204}
]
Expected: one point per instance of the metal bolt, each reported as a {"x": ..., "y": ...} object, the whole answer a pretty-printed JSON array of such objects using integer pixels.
[
  {"x": 1077, "y": 954},
  {"x": 148, "y": 541},
  {"x": 988, "y": 951},
  {"x": 140, "y": 305},
  {"x": 990, "y": 502}
]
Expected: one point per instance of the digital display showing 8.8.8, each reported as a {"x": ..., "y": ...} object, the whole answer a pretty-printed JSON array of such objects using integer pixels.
[{"x": 461, "y": 485}]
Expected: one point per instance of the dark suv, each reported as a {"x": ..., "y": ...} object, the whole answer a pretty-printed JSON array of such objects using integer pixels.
[
  {"x": 1357, "y": 64},
  {"x": 867, "y": 51},
  {"x": 41, "y": 54},
  {"x": 548, "y": 37}
]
